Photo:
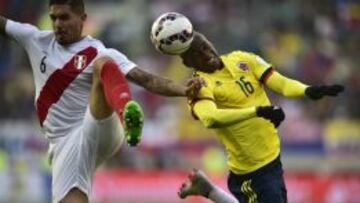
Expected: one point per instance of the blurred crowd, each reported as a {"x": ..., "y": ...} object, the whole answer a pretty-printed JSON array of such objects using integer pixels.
[{"x": 317, "y": 42}]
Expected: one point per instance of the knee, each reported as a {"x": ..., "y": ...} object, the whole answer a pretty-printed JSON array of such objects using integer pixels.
[{"x": 98, "y": 65}]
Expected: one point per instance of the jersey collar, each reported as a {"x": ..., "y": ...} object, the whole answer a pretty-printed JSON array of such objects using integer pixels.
[
  {"x": 75, "y": 44},
  {"x": 227, "y": 69}
]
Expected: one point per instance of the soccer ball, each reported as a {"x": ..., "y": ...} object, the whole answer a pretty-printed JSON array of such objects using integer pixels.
[{"x": 172, "y": 33}]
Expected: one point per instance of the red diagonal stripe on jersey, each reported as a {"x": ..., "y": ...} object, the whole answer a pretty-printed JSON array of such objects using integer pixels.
[{"x": 60, "y": 80}]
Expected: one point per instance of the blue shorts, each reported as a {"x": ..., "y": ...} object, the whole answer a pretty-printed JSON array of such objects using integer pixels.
[{"x": 265, "y": 185}]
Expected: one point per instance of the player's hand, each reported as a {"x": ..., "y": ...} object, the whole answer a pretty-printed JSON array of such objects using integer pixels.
[
  {"x": 193, "y": 87},
  {"x": 275, "y": 114},
  {"x": 318, "y": 92}
]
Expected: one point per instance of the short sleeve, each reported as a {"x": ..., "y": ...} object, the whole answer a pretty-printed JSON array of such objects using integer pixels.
[
  {"x": 21, "y": 32},
  {"x": 121, "y": 60}
]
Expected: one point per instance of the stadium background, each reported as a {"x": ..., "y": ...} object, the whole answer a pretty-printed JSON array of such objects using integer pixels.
[{"x": 315, "y": 41}]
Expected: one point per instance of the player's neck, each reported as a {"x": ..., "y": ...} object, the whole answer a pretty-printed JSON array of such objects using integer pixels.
[
  {"x": 74, "y": 41},
  {"x": 214, "y": 68},
  {"x": 78, "y": 39},
  {"x": 219, "y": 66}
]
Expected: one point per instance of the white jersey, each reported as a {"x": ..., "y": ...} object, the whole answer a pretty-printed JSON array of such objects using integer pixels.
[{"x": 62, "y": 75}]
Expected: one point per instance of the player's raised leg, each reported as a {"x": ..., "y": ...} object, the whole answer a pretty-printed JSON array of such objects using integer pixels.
[
  {"x": 198, "y": 184},
  {"x": 110, "y": 92},
  {"x": 102, "y": 105}
]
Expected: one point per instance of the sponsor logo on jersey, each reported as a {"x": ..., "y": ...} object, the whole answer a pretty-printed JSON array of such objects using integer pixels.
[
  {"x": 243, "y": 66},
  {"x": 80, "y": 62}
]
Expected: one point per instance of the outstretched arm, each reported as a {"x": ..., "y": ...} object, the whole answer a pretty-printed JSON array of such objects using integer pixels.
[
  {"x": 289, "y": 87},
  {"x": 294, "y": 89},
  {"x": 2, "y": 25},
  {"x": 156, "y": 84},
  {"x": 213, "y": 117},
  {"x": 283, "y": 85},
  {"x": 22, "y": 33}
]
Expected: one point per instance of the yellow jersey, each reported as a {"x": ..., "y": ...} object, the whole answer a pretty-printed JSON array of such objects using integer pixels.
[{"x": 254, "y": 142}]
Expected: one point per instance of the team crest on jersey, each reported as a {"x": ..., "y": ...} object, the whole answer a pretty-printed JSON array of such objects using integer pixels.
[
  {"x": 243, "y": 66},
  {"x": 80, "y": 62}
]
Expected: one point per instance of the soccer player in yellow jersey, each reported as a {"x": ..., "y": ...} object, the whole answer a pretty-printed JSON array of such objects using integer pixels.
[{"x": 234, "y": 103}]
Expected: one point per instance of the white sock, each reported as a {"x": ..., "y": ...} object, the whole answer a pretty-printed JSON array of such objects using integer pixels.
[{"x": 218, "y": 195}]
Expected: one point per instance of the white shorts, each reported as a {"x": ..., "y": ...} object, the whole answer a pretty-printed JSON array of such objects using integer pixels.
[{"x": 75, "y": 157}]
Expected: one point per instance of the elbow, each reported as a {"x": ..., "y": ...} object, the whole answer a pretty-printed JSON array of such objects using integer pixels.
[
  {"x": 209, "y": 118},
  {"x": 209, "y": 125},
  {"x": 210, "y": 122}
]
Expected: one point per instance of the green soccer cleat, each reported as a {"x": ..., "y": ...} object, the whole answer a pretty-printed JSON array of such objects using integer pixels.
[{"x": 133, "y": 122}]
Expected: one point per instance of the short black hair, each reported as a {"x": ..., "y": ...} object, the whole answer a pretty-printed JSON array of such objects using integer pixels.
[{"x": 76, "y": 5}]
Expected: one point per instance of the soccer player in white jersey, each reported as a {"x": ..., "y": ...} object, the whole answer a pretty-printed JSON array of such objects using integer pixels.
[{"x": 79, "y": 85}]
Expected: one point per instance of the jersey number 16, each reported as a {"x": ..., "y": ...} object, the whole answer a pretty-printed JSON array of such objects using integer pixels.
[{"x": 245, "y": 86}]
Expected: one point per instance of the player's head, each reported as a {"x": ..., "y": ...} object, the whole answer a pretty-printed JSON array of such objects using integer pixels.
[
  {"x": 67, "y": 17},
  {"x": 202, "y": 55}
]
